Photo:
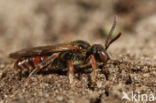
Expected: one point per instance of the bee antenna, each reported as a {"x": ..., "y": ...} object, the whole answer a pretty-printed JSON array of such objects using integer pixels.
[{"x": 107, "y": 44}]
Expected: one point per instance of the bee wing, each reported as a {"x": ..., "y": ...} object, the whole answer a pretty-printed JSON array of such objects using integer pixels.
[{"x": 36, "y": 51}]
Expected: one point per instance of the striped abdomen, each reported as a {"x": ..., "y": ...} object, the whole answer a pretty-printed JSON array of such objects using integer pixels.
[{"x": 28, "y": 64}]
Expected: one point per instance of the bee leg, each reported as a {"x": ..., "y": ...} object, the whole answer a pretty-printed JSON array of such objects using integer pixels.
[
  {"x": 87, "y": 60},
  {"x": 42, "y": 65},
  {"x": 71, "y": 74},
  {"x": 93, "y": 74}
]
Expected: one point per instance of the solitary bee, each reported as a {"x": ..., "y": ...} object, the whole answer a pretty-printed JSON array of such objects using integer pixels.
[{"x": 64, "y": 56}]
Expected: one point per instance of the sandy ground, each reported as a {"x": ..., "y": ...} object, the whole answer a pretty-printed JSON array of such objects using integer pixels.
[{"x": 132, "y": 67}]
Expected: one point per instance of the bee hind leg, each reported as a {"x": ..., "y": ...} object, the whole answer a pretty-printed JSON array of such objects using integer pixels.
[{"x": 42, "y": 65}]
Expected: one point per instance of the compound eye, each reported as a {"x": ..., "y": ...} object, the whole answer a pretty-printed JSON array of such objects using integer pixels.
[{"x": 104, "y": 57}]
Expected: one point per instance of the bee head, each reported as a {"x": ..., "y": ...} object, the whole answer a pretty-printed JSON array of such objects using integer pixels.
[{"x": 99, "y": 53}]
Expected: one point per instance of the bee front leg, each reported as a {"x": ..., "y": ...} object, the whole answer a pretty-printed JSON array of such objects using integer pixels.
[
  {"x": 71, "y": 74},
  {"x": 93, "y": 74}
]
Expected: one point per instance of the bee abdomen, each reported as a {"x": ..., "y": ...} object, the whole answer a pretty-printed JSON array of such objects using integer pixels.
[{"x": 28, "y": 64}]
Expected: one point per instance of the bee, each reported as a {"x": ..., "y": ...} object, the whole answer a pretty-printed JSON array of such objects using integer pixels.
[{"x": 64, "y": 56}]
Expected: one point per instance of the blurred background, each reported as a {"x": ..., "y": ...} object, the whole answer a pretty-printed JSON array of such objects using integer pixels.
[{"x": 29, "y": 23}]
